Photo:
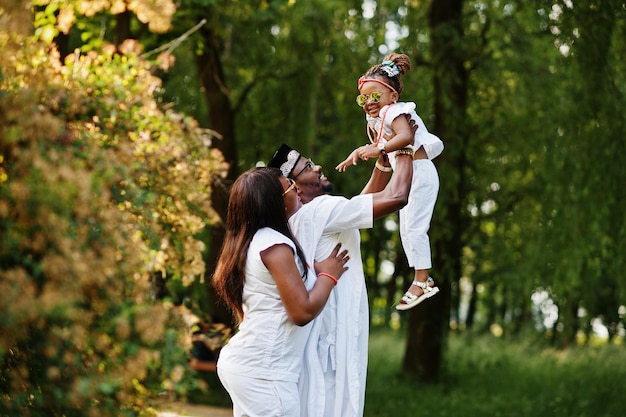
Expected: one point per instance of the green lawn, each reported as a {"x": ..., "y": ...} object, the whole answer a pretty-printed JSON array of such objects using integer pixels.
[{"x": 488, "y": 377}]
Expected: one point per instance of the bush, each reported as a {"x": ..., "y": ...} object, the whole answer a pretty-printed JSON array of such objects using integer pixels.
[{"x": 101, "y": 192}]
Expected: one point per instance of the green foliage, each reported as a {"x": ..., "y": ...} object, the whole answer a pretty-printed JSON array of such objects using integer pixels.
[
  {"x": 101, "y": 191},
  {"x": 528, "y": 203},
  {"x": 539, "y": 194},
  {"x": 495, "y": 377}
]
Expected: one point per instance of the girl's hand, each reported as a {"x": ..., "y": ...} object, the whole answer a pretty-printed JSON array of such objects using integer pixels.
[
  {"x": 366, "y": 152},
  {"x": 350, "y": 160},
  {"x": 335, "y": 263}
]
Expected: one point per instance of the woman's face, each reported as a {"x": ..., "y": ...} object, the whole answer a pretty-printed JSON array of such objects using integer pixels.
[
  {"x": 291, "y": 195},
  {"x": 376, "y": 96}
]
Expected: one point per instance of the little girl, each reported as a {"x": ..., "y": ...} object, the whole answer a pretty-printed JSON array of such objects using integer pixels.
[{"x": 379, "y": 90}]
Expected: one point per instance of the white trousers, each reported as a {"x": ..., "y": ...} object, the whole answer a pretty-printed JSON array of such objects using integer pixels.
[
  {"x": 254, "y": 397},
  {"x": 415, "y": 217}
]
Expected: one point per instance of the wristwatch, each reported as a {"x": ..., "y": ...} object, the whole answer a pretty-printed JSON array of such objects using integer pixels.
[{"x": 383, "y": 152}]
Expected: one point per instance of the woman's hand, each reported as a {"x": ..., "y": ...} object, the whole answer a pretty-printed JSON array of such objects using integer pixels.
[
  {"x": 303, "y": 305},
  {"x": 334, "y": 265}
]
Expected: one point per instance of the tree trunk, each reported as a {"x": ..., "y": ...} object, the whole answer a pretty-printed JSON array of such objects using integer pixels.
[
  {"x": 122, "y": 27},
  {"x": 471, "y": 308},
  {"x": 221, "y": 119},
  {"x": 524, "y": 318},
  {"x": 569, "y": 318},
  {"x": 428, "y": 323}
]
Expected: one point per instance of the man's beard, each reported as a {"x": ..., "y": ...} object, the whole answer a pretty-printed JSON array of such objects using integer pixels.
[{"x": 322, "y": 189}]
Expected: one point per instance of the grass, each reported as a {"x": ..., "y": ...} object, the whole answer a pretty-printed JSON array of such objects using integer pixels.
[{"x": 486, "y": 376}]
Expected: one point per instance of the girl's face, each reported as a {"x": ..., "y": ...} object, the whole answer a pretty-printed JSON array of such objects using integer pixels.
[
  {"x": 291, "y": 195},
  {"x": 375, "y": 96}
]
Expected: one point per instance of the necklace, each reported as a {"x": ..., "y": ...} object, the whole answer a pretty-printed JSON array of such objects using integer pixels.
[{"x": 379, "y": 134}]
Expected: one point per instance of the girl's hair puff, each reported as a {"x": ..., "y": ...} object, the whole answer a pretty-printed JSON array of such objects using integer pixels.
[{"x": 401, "y": 61}]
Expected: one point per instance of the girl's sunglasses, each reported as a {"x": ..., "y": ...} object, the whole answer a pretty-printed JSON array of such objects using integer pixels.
[{"x": 373, "y": 97}]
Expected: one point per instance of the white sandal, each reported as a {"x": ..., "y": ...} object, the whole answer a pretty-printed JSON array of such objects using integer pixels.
[{"x": 410, "y": 300}]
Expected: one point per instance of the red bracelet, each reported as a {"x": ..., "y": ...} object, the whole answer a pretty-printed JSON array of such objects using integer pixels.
[{"x": 324, "y": 274}]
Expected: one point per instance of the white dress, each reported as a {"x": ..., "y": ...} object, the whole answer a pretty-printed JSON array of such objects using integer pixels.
[{"x": 266, "y": 352}]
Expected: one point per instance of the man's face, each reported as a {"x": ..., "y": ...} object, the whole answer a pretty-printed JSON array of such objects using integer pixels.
[{"x": 310, "y": 180}]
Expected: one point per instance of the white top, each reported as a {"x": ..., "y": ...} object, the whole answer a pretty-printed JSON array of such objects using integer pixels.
[
  {"x": 431, "y": 143},
  {"x": 340, "y": 333},
  {"x": 267, "y": 345}
]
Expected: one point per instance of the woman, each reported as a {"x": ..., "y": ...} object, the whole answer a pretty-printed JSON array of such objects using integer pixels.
[{"x": 264, "y": 278}]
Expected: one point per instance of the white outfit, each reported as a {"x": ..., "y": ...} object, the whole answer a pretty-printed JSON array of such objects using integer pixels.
[
  {"x": 415, "y": 217},
  {"x": 335, "y": 360},
  {"x": 261, "y": 364}
]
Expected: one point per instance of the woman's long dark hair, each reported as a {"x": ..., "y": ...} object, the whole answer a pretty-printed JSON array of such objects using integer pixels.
[{"x": 255, "y": 201}]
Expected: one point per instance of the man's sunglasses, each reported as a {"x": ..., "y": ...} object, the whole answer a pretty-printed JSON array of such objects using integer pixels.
[{"x": 307, "y": 165}]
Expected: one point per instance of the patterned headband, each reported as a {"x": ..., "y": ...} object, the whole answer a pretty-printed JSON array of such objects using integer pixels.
[{"x": 292, "y": 159}]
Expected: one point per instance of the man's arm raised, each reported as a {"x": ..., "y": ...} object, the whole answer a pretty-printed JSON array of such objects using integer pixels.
[
  {"x": 379, "y": 177},
  {"x": 396, "y": 194},
  {"x": 382, "y": 170}
]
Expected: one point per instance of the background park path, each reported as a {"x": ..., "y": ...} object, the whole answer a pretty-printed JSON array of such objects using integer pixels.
[{"x": 178, "y": 409}]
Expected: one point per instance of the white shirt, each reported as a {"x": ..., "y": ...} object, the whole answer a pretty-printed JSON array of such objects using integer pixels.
[
  {"x": 431, "y": 143},
  {"x": 339, "y": 336},
  {"x": 267, "y": 345}
]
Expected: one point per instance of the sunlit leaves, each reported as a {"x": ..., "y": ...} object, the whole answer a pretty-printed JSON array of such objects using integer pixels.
[
  {"x": 102, "y": 190},
  {"x": 157, "y": 14},
  {"x": 53, "y": 17}
]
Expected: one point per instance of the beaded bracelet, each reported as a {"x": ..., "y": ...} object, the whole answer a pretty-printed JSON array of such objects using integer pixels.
[
  {"x": 382, "y": 167},
  {"x": 407, "y": 150},
  {"x": 324, "y": 274}
]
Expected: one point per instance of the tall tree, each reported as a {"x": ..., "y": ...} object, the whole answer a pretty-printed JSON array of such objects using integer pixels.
[
  {"x": 428, "y": 325},
  {"x": 260, "y": 68}
]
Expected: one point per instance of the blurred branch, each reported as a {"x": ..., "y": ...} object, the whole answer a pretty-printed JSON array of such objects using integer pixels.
[{"x": 170, "y": 46}]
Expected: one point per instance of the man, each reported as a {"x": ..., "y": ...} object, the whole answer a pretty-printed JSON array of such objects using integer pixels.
[{"x": 333, "y": 378}]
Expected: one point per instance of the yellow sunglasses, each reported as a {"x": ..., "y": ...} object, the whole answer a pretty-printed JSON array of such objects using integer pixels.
[
  {"x": 373, "y": 97},
  {"x": 292, "y": 185}
]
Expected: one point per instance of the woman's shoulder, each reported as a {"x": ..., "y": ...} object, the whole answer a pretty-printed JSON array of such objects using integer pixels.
[{"x": 266, "y": 237}]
